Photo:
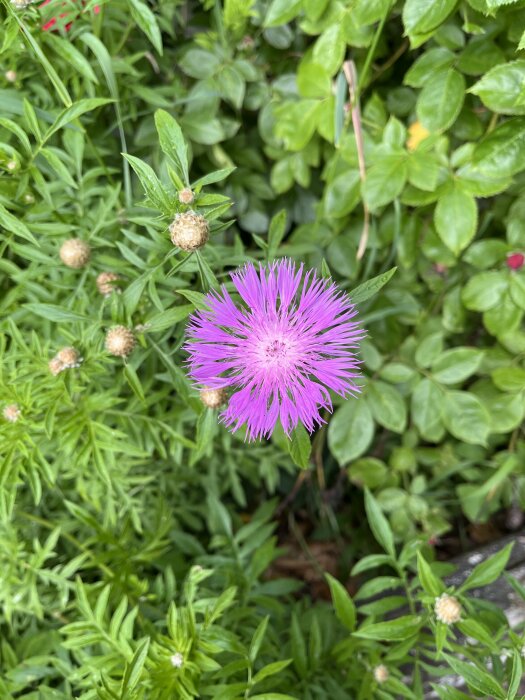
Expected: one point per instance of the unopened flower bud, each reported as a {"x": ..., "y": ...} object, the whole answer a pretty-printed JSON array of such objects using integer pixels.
[
  {"x": 120, "y": 341},
  {"x": 55, "y": 366},
  {"x": 69, "y": 358},
  {"x": 10, "y": 76},
  {"x": 186, "y": 196},
  {"x": 28, "y": 198},
  {"x": 177, "y": 660},
  {"x": 20, "y": 4},
  {"x": 106, "y": 283},
  {"x": 75, "y": 253},
  {"x": 515, "y": 261},
  {"x": 189, "y": 231},
  {"x": 12, "y": 165},
  {"x": 447, "y": 609},
  {"x": 381, "y": 673},
  {"x": 213, "y": 398},
  {"x": 11, "y": 412}
]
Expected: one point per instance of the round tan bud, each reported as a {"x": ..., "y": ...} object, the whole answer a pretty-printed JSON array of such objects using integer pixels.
[
  {"x": 381, "y": 673},
  {"x": 189, "y": 231},
  {"x": 69, "y": 358},
  {"x": 177, "y": 660},
  {"x": 11, "y": 412},
  {"x": 106, "y": 283},
  {"x": 75, "y": 253},
  {"x": 447, "y": 609},
  {"x": 10, "y": 76},
  {"x": 186, "y": 196},
  {"x": 213, "y": 398},
  {"x": 55, "y": 366},
  {"x": 12, "y": 165},
  {"x": 120, "y": 341},
  {"x": 28, "y": 198}
]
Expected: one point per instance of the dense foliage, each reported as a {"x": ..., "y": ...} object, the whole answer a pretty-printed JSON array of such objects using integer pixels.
[{"x": 145, "y": 550}]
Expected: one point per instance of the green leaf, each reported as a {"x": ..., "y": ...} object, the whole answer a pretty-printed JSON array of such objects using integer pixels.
[
  {"x": 55, "y": 313},
  {"x": 282, "y": 11},
  {"x": 510, "y": 379},
  {"x": 329, "y": 49},
  {"x": 270, "y": 670},
  {"x": 172, "y": 142},
  {"x": 350, "y": 431},
  {"x": 371, "y": 287},
  {"x": 396, "y": 630},
  {"x": 499, "y": 154},
  {"x": 146, "y": 20},
  {"x": 385, "y": 179},
  {"x": 168, "y": 318},
  {"x": 477, "y": 678},
  {"x": 429, "y": 581},
  {"x": 134, "y": 382},
  {"x": 456, "y": 365},
  {"x": 484, "y": 291},
  {"x": 441, "y": 99},
  {"x": 300, "y": 447},
  {"x": 276, "y": 233},
  {"x": 516, "y": 676},
  {"x": 135, "y": 666},
  {"x": 14, "y": 225},
  {"x": 466, "y": 418},
  {"x": 456, "y": 219},
  {"x": 387, "y": 406},
  {"x": 343, "y": 603},
  {"x": 421, "y": 16},
  {"x": 501, "y": 89},
  {"x": 74, "y": 112},
  {"x": 379, "y": 524},
  {"x": 151, "y": 184},
  {"x": 488, "y": 571},
  {"x": 257, "y": 639}
]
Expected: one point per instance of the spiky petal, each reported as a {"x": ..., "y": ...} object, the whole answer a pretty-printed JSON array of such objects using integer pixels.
[{"x": 282, "y": 350}]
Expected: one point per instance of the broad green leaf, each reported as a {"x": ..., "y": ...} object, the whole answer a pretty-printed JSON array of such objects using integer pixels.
[
  {"x": 484, "y": 291},
  {"x": 499, "y": 154},
  {"x": 151, "y": 184},
  {"x": 466, "y": 418},
  {"x": 455, "y": 365},
  {"x": 501, "y": 89},
  {"x": 385, "y": 179},
  {"x": 11, "y": 223},
  {"x": 281, "y": 11},
  {"x": 420, "y": 16},
  {"x": 350, "y": 431},
  {"x": 441, "y": 99},
  {"x": 387, "y": 406},
  {"x": 456, "y": 219}
]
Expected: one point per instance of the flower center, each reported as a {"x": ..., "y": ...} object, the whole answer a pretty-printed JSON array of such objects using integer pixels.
[{"x": 276, "y": 349}]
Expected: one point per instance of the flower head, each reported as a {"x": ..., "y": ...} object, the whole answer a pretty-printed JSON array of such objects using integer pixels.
[
  {"x": 10, "y": 76},
  {"x": 12, "y": 412},
  {"x": 186, "y": 196},
  {"x": 120, "y": 341},
  {"x": 281, "y": 351},
  {"x": 381, "y": 673},
  {"x": 106, "y": 283},
  {"x": 69, "y": 358},
  {"x": 75, "y": 253},
  {"x": 213, "y": 398},
  {"x": 189, "y": 231},
  {"x": 447, "y": 609},
  {"x": 177, "y": 659}
]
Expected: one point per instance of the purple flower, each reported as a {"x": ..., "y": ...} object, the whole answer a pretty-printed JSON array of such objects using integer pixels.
[{"x": 280, "y": 351}]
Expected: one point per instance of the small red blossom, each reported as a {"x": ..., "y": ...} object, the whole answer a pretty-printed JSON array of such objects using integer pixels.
[
  {"x": 515, "y": 261},
  {"x": 53, "y": 21}
]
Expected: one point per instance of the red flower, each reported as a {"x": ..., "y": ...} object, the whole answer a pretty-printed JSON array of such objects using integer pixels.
[
  {"x": 52, "y": 22},
  {"x": 515, "y": 261}
]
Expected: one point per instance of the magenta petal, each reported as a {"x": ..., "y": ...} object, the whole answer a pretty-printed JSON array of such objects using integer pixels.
[{"x": 280, "y": 351}]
